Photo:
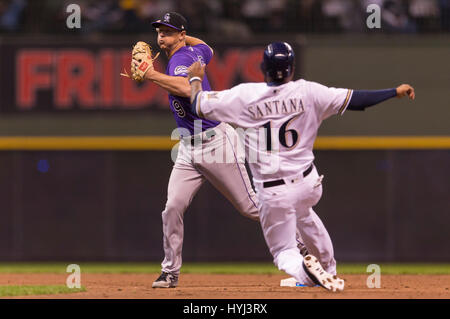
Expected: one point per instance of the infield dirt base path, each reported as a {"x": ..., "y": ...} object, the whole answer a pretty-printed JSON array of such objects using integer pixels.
[{"x": 196, "y": 286}]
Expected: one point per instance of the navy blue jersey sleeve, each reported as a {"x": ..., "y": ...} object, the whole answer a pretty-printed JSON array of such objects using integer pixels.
[{"x": 363, "y": 98}]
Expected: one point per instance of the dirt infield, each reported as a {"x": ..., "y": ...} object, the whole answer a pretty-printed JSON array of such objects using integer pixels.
[{"x": 195, "y": 286}]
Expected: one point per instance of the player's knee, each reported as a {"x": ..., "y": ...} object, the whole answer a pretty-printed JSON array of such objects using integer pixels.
[
  {"x": 175, "y": 206},
  {"x": 249, "y": 210},
  {"x": 287, "y": 260},
  {"x": 305, "y": 216}
]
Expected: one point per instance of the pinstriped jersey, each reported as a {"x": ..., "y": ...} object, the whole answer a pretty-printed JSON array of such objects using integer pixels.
[{"x": 278, "y": 124}]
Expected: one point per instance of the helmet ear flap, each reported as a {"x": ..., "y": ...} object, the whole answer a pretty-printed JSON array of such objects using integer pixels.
[{"x": 262, "y": 66}]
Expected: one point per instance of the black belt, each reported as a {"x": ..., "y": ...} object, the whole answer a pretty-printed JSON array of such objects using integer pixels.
[
  {"x": 208, "y": 134},
  {"x": 281, "y": 181}
]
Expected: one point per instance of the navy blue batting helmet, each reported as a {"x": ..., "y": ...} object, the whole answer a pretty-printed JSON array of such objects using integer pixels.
[{"x": 278, "y": 61}]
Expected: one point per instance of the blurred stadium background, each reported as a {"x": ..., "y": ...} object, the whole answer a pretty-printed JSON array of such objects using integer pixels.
[{"x": 85, "y": 155}]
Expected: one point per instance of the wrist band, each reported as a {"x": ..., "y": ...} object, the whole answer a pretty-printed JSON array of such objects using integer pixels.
[{"x": 195, "y": 78}]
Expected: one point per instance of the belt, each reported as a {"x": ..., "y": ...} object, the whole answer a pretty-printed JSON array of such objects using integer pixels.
[
  {"x": 281, "y": 181},
  {"x": 209, "y": 134}
]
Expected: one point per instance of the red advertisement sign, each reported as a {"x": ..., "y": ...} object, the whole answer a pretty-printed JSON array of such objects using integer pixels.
[{"x": 86, "y": 77}]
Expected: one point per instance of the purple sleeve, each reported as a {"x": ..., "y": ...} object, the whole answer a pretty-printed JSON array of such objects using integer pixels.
[
  {"x": 178, "y": 65},
  {"x": 205, "y": 52}
]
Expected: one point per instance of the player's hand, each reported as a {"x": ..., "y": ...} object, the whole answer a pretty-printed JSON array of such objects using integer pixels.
[
  {"x": 148, "y": 73},
  {"x": 141, "y": 62},
  {"x": 406, "y": 90},
  {"x": 196, "y": 69}
]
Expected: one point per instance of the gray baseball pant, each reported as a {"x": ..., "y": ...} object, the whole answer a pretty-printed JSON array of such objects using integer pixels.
[{"x": 192, "y": 167}]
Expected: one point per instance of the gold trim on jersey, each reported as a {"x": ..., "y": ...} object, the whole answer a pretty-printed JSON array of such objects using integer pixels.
[
  {"x": 199, "y": 111},
  {"x": 342, "y": 108}
]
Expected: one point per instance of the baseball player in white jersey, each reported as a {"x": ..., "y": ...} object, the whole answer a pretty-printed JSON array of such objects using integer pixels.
[{"x": 281, "y": 118}]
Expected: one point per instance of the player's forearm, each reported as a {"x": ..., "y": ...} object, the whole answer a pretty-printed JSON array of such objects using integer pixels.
[
  {"x": 363, "y": 98},
  {"x": 192, "y": 41},
  {"x": 175, "y": 85},
  {"x": 196, "y": 88}
]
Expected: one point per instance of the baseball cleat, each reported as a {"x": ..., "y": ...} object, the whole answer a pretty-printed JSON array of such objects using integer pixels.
[
  {"x": 166, "y": 280},
  {"x": 319, "y": 276}
]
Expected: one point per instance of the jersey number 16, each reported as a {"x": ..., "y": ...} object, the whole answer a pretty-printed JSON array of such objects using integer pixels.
[{"x": 282, "y": 134}]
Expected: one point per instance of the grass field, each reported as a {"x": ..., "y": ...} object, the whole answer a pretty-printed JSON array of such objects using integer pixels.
[
  {"x": 217, "y": 268},
  {"x": 26, "y": 290}
]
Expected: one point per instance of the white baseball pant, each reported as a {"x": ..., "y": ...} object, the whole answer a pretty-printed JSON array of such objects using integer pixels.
[{"x": 284, "y": 208}]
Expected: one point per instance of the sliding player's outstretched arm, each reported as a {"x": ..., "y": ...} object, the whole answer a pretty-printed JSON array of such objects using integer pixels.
[{"x": 362, "y": 99}]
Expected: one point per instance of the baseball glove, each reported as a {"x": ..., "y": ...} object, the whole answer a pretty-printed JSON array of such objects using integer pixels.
[{"x": 141, "y": 61}]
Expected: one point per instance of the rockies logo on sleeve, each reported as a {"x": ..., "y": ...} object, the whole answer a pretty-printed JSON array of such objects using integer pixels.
[{"x": 181, "y": 69}]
